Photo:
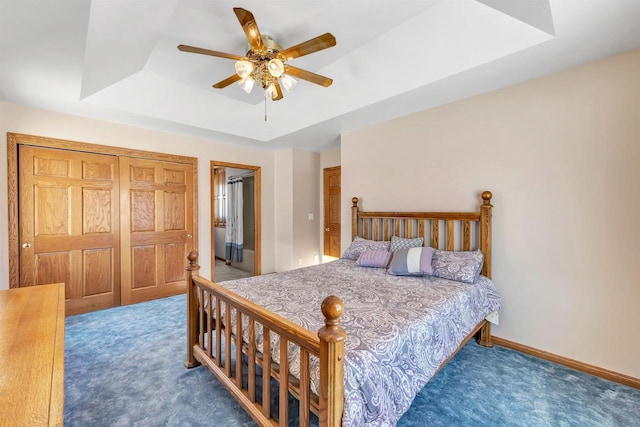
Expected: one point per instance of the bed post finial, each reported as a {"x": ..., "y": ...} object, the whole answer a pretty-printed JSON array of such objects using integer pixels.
[
  {"x": 192, "y": 310},
  {"x": 485, "y": 232},
  {"x": 332, "y": 337},
  {"x": 193, "y": 261},
  {"x": 332, "y": 309},
  {"x": 354, "y": 201},
  {"x": 486, "y": 197}
]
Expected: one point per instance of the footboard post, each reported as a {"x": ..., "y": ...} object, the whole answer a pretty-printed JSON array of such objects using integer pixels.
[
  {"x": 192, "y": 310},
  {"x": 484, "y": 338},
  {"x": 332, "y": 337}
]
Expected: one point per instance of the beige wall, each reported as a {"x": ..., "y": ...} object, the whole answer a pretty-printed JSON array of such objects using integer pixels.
[
  {"x": 297, "y": 195},
  {"x": 306, "y": 193},
  {"x": 329, "y": 159},
  {"x": 19, "y": 119},
  {"x": 562, "y": 157},
  {"x": 284, "y": 216}
]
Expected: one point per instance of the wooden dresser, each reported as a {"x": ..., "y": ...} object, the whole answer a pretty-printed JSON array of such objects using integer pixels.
[{"x": 32, "y": 356}]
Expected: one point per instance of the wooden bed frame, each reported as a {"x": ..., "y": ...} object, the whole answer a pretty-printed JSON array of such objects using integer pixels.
[{"x": 444, "y": 230}]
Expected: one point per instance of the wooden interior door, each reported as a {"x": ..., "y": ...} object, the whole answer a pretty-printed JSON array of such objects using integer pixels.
[
  {"x": 69, "y": 225},
  {"x": 156, "y": 227},
  {"x": 331, "y": 189}
]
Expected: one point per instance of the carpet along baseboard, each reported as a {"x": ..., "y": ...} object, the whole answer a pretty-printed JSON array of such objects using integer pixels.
[{"x": 574, "y": 364}]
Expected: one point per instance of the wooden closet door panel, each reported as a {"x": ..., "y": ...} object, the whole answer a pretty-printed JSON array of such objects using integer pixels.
[
  {"x": 69, "y": 225},
  {"x": 156, "y": 227}
]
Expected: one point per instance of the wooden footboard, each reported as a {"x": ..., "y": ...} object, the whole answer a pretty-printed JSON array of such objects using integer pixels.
[{"x": 227, "y": 348}]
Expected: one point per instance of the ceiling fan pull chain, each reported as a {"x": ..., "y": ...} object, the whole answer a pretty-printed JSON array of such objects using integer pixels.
[{"x": 265, "y": 105}]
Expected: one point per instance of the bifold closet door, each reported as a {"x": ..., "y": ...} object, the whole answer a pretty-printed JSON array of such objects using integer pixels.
[
  {"x": 69, "y": 225},
  {"x": 156, "y": 219}
]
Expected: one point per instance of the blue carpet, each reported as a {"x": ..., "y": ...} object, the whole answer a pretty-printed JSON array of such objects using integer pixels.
[{"x": 124, "y": 367}]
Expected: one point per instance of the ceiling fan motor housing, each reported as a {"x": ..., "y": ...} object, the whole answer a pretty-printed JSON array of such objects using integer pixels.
[{"x": 270, "y": 45}]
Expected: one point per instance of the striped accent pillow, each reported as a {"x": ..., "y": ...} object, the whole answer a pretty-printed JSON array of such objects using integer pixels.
[
  {"x": 378, "y": 259},
  {"x": 412, "y": 262}
]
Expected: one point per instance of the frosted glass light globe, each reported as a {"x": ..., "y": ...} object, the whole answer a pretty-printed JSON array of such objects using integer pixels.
[
  {"x": 244, "y": 68},
  {"x": 276, "y": 67}
]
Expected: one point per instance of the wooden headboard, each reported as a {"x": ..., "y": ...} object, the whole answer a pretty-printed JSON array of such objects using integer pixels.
[{"x": 451, "y": 231}]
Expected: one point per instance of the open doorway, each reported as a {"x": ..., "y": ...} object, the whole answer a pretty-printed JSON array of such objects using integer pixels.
[{"x": 235, "y": 233}]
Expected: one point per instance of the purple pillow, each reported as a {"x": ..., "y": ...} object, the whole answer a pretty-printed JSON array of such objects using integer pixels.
[
  {"x": 459, "y": 266},
  {"x": 360, "y": 245},
  {"x": 412, "y": 262},
  {"x": 379, "y": 259}
]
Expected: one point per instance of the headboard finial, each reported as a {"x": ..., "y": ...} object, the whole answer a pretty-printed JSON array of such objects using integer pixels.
[
  {"x": 486, "y": 197},
  {"x": 355, "y": 202}
]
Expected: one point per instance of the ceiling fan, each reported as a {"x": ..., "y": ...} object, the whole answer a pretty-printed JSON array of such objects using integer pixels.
[{"x": 265, "y": 63}]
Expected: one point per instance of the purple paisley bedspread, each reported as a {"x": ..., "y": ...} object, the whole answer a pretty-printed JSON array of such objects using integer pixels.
[{"x": 399, "y": 329}]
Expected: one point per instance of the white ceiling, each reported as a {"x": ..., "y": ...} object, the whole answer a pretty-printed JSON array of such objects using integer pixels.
[{"x": 117, "y": 60}]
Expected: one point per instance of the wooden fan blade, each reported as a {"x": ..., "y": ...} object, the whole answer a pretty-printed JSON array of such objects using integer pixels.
[
  {"x": 310, "y": 46},
  {"x": 250, "y": 27},
  {"x": 226, "y": 82},
  {"x": 278, "y": 96},
  {"x": 199, "y": 50},
  {"x": 309, "y": 76}
]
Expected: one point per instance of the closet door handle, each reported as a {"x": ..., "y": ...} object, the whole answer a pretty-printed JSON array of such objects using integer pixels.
[
  {"x": 327, "y": 229},
  {"x": 189, "y": 236},
  {"x": 26, "y": 245}
]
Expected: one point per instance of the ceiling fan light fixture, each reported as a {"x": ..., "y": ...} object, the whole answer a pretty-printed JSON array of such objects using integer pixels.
[
  {"x": 275, "y": 67},
  {"x": 270, "y": 91},
  {"x": 288, "y": 82},
  {"x": 263, "y": 63},
  {"x": 244, "y": 68},
  {"x": 247, "y": 84}
]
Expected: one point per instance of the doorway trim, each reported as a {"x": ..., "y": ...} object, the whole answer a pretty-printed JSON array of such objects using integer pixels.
[
  {"x": 257, "y": 260},
  {"x": 16, "y": 139}
]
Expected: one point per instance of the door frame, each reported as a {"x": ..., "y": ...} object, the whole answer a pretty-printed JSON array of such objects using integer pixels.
[
  {"x": 257, "y": 217},
  {"x": 16, "y": 139}
]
